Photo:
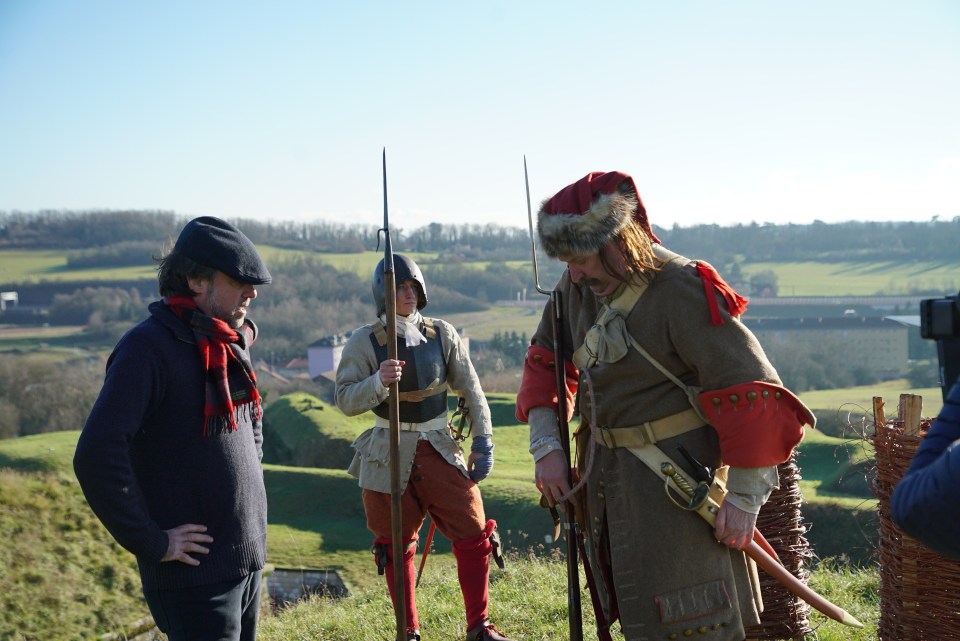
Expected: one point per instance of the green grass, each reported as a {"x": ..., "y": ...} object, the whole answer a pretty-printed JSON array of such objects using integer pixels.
[
  {"x": 63, "y": 575},
  {"x": 880, "y": 278},
  {"x": 483, "y": 325},
  {"x": 858, "y": 401},
  {"x": 71, "y": 564},
  {"x": 362, "y": 263},
  {"x": 304, "y": 431},
  {"x": 528, "y": 601},
  {"x": 34, "y": 265},
  {"x": 31, "y": 266}
]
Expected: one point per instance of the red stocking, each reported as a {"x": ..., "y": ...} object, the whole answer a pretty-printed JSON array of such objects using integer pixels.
[
  {"x": 473, "y": 570},
  {"x": 409, "y": 582}
]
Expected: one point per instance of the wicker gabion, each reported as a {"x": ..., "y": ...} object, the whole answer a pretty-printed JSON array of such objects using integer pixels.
[
  {"x": 784, "y": 615},
  {"x": 919, "y": 589}
]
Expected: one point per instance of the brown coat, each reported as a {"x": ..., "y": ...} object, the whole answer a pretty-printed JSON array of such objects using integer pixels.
[{"x": 668, "y": 572}]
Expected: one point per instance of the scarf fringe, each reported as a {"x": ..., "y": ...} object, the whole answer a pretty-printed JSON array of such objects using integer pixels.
[{"x": 219, "y": 424}]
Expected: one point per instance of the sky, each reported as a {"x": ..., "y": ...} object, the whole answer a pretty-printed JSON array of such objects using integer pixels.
[{"x": 726, "y": 112}]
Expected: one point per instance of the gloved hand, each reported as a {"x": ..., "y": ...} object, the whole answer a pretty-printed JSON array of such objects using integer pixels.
[{"x": 481, "y": 457}]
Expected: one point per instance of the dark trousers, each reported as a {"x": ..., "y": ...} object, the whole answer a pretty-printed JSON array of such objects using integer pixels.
[{"x": 224, "y": 611}]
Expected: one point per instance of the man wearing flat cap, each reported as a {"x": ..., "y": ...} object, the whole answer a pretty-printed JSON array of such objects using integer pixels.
[{"x": 169, "y": 458}]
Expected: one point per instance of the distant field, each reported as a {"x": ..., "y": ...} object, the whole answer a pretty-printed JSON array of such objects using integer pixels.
[
  {"x": 859, "y": 400},
  {"x": 795, "y": 278},
  {"x": 861, "y": 279},
  {"x": 363, "y": 264},
  {"x": 483, "y": 325},
  {"x": 23, "y": 266},
  {"x": 30, "y": 266}
]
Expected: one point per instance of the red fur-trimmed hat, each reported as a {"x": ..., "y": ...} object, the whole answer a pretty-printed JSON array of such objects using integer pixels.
[{"x": 583, "y": 217}]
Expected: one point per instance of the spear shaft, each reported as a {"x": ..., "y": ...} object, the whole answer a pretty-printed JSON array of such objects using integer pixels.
[
  {"x": 393, "y": 401},
  {"x": 574, "y": 608}
]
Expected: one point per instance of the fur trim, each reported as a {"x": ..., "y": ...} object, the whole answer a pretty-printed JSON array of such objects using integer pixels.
[{"x": 585, "y": 233}]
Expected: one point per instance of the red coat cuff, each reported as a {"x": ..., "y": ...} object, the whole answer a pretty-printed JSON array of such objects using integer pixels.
[
  {"x": 758, "y": 423},
  {"x": 538, "y": 388}
]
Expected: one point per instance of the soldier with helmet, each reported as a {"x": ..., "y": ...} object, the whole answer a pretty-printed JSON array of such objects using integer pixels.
[{"x": 436, "y": 479}]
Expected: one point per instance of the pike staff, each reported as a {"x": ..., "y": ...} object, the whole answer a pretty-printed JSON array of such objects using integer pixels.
[
  {"x": 390, "y": 298},
  {"x": 569, "y": 523}
]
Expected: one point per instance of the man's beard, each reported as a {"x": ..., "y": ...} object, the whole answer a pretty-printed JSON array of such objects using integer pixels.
[{"x": 234, "y": 318}]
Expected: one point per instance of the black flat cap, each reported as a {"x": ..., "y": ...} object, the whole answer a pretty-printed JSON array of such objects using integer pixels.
[{"x": 216, "y": 243}]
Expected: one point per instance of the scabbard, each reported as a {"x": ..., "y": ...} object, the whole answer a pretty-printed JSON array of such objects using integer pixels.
[{"x": 654, "y": 458}]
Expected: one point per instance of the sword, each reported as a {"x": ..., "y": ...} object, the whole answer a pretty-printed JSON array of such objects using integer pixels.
[
  {"x": 705, "y": 482},
  {"x": 708, "y": 510}
]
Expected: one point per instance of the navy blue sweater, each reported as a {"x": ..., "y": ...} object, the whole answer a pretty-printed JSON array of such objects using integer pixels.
[
  {"x": 145, "y": 465},
  {"x": 926, "y": 502}
]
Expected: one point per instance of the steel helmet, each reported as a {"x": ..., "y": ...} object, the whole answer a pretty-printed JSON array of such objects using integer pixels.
[{"x": 404, "y": 269}]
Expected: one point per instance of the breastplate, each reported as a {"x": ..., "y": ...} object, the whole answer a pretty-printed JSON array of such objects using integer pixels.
[{"x": 423, "y": 366}]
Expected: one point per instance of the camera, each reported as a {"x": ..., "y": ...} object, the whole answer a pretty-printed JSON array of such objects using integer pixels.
[
  {"x": 940, "y": 318},
  {"x": 940, "y": 321}
]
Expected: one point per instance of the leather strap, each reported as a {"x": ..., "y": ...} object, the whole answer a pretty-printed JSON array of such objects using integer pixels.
[
  {"x": 415, "y": 396},
  {"x": 650, "y": 432},
  {"x": 653, "y": 457}
]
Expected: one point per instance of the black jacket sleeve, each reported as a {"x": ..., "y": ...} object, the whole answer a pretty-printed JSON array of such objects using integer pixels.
[{"x": 926, "y": 502}]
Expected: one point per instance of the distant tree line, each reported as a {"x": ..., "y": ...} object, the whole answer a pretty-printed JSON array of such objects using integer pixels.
[
  {"x": 833, "y": 242},
  {"x": 720, "y": 245},
  {"x": 38, "y": 397}
]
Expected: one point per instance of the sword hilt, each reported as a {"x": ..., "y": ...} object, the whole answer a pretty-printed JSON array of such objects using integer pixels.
[{"x": 695, "y": 495}]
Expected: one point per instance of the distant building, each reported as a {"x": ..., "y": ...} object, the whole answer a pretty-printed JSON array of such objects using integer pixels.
[
  {"x": 11, "y": 298},
  {"x": 875, "y": 343},
  {"x": 324, "y": 355}
]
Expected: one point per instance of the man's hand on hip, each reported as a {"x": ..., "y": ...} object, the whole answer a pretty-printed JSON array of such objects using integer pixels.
[{"x": 185, "y": 540}]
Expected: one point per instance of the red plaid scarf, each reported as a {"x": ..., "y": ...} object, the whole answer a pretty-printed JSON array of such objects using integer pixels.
[{"x": 231, "y": 384}]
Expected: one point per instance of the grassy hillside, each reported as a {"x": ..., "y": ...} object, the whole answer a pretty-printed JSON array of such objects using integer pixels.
[
  {"x": 63, "y": 576},
  {"x": 73, "y": 579}
]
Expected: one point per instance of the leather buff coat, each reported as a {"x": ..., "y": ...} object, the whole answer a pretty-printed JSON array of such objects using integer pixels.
[{"x": 657, "y": 565}]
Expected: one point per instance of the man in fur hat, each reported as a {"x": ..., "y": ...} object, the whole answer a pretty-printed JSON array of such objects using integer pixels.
[
  {"x": 652, "y": 350},
  {"x": 169, "y": 458},
  {"x": 436, "y": 479}
]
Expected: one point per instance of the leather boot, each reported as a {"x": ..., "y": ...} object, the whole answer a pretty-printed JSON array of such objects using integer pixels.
[
  {"x": 409, "y": 584},
  {"x": 486, "y": 632}
]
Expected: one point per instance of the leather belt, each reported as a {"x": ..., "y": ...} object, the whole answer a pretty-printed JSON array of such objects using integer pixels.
[
  {"x": 650, "y": 432},
  {"x": 434, "y": 424}
]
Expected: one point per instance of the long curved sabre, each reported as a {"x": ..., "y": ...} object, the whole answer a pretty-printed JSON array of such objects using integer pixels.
[{"x": 708, "y": 509}]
